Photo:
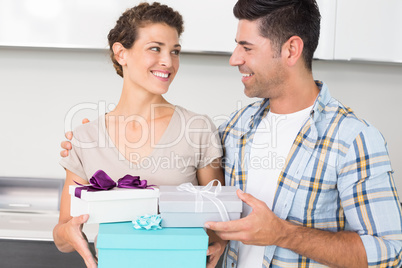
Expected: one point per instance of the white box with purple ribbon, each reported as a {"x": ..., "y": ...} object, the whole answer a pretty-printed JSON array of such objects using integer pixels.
[
  {"x": 115, "y": 205},
  {"x": 191, "y": 206}
]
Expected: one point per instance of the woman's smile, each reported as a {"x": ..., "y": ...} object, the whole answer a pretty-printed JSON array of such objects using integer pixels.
[{"x": 161, "y": 75}]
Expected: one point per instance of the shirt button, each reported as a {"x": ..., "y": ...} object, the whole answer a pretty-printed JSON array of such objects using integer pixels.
[{"x": 232, "y": 264}]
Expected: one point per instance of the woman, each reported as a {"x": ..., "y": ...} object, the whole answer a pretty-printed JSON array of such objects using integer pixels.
[{"x": 144, "y": 135}]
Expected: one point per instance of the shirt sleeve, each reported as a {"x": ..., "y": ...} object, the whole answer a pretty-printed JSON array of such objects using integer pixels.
[
  {"x": 370, "y": 200},
  {"x": 73, "y": 162},
  {"x": 209, "y": 145}
]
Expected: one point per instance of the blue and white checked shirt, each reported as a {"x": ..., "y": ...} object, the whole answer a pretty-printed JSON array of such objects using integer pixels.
[{"x": 337, "y": 177}]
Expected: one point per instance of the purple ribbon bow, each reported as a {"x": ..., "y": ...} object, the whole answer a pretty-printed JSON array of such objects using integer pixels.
[{"x": 100, "y": 181}]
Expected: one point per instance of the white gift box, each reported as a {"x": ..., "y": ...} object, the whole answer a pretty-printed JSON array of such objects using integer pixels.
[
  {"x": 115, "y": 205},
  {"x": 179, "y": 208}
]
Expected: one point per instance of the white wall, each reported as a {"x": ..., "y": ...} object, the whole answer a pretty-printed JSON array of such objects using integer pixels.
[{"x": 39, "y": 86}]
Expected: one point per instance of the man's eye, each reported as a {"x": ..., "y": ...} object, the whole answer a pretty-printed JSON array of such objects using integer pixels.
[{"x": 246, "y": 49}]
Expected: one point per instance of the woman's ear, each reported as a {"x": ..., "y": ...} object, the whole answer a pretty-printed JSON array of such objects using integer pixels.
[
  {"x": 119, "y": 53},
  {"x": 292, "y": 50}
]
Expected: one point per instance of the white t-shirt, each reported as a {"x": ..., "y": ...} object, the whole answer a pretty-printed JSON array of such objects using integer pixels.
[{"x": 271, "y": 145}]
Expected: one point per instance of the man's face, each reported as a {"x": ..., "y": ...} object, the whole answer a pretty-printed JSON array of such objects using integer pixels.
[{"x": 260, "y": 65}]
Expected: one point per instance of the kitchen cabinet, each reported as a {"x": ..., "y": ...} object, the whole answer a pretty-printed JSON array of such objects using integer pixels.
[
  {"x": 364, "y": 30},
  {"x": 28, "y": 214},
  {"x": 350, "y": 29},
  {"x": 209, "y": 25},
  {"x": 326, "y": 44},
  {"x": 36, "y": 254},
  {"x": 369, "y": 30}
]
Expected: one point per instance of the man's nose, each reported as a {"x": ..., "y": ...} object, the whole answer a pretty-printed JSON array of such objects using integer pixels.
[{"x": 236, "y": 59}]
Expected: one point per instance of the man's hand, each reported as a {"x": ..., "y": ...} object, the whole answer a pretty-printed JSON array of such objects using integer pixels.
[
  {"x": 261, "y": 227},
  {"x": 66, "y": 145}
]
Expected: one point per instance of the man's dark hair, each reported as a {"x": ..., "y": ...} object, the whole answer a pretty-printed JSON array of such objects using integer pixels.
[{"x": 282, "y": 19}]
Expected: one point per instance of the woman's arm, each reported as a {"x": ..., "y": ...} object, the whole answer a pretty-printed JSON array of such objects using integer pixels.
[
  {"x": 67, "y": 234},
  {"x": 211, "y": 172},
  {"x": 216, "y": 244}
]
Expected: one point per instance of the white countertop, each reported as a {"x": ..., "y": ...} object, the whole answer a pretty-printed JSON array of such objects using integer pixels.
[{"x": 35, "y": 226}]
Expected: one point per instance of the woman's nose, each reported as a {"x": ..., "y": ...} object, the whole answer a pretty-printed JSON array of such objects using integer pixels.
[{"x": 166, "y": 60}]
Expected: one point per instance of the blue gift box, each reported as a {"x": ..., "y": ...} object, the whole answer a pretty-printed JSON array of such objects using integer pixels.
[{"x": 120, "y": 245}]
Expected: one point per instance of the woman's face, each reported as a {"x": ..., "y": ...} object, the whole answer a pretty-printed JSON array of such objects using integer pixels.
[{"x": 153, "y": 61}]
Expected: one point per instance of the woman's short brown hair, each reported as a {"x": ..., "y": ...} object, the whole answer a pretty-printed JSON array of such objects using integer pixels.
[{"x": 126, "y": 29}]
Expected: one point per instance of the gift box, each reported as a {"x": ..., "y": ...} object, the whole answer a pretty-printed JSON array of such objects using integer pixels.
[
  {"x": 120, "y": 245},
  {"x": 197, "y": 205},
  {"x": 115, "y": 205}
]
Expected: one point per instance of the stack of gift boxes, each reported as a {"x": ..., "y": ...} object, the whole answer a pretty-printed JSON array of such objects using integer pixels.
[{"x": 129, "y": 231}]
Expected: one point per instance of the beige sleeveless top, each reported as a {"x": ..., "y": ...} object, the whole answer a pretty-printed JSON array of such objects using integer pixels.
[{"x": 190, "y": 142}]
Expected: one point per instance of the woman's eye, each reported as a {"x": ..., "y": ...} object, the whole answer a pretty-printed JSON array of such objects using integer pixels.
[
  {"x": 155, "y": 49},
  {"x": 176, "y": 52}
]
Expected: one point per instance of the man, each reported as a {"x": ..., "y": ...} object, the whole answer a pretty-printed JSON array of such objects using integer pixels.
[
  {"x": 316, "y": 180},
  {"x": 327, "y": 196}
]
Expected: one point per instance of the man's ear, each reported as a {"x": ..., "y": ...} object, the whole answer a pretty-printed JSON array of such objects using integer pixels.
[
  {"x": 292, "y": 50},
  {"x": 119, "y": 53}
]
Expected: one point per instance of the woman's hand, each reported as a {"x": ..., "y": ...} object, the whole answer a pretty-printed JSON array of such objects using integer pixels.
[
  {"x": 69, "y": 237},
  {"x": 67, "y": 234},
  {"x": 215, "y": 249},
  {"x": 216, "y": 244}
]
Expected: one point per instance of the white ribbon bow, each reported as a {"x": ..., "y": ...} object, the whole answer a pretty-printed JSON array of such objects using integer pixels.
[{"x": 205, "y": 192}]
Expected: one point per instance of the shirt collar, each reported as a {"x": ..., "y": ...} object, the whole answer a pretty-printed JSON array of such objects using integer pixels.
[
  {"x": 321, "y": 101},
  {"x": 261, "y": 112}
]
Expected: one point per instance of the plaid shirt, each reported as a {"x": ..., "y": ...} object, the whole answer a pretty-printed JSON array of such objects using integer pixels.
[{"x": 337, "y": 177}]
